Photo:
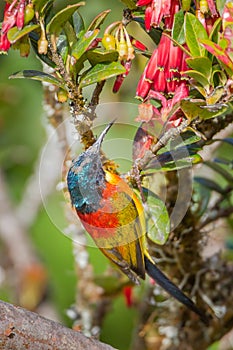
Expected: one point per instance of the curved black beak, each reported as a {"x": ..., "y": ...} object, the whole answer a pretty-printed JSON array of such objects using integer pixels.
[{"x": 100, "y": 139}]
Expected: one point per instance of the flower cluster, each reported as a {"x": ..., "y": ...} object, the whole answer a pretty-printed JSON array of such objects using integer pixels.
[
  {"x": 16, "y": 14},
  {"x": 117, "y": 38},
  {"x": 13, "y": 15},
  {"x": 163, "y": 78},
  {"x": 156, "y": 10},
  {"x": 163, "y": 72}
]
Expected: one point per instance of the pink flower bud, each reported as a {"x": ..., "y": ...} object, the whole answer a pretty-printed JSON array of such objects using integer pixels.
[
  {"x": 4, "y": 43},
  {"x": 163, "y": 51},
  {"x": 151, "y": 67},
  {"x": 148, "y": 17},
  {"x": 118, "y": 82},
  {"x": 143, "y": 2},
  {"x": 212, "y": 7},
  {"x": 20, "y": 15}
]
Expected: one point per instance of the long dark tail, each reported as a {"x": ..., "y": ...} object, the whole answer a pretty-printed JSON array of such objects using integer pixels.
[{"x": 172, "y": 289}]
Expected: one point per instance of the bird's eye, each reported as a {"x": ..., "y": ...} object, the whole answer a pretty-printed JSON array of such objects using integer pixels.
[{"x": 97, "y": 182}]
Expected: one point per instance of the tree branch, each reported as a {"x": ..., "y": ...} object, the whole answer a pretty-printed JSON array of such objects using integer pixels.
[{"x": 22, "y": 329}]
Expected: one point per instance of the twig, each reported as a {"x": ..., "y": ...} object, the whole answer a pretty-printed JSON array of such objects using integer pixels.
[
  {"x": 97, "y": 92},
  {"x": 22, "y": 329},
  {"x": 214, "y": 215},
  {"x": 163, "y": 140}
]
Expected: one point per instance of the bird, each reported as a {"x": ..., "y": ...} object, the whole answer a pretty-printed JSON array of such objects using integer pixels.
[{"x": 112, "y": 213}]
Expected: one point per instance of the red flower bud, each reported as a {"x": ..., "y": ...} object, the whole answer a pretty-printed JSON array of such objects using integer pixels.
[
  {"x": 143, "y": 2},
  {"x": 4, "y": 43},
  {"x": 212, "y": 8},
  {"x": 148, "y": 18},
  {"x": 9, "y": 19},
  {"x": 138, "y": 44},
  {"x": 143, "y": 87},
  {"x": 20, "y": 15},
  {"x": 128, "y": 294},
  {"x": 160, "y": 81},
  {"x": 163, "y": 51},
  {"x": 174, "y": 8},
  {"x": 151, "y": 67},
  {"x": 172, "y": 80},
  {"x": 175, "y": 57}
]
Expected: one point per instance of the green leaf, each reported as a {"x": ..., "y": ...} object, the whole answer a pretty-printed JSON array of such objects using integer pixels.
[
  {"x": 129, "y": 4},
  {"x": 185, "y": 139},
  {"x": 185, "y": 4},
  {"x": 157, "y": 218},
  {"x": 220, "y": 170},
  {"x": 215, "y": 30},
  {"x": 102, "y": 71},
  {"x": 210, "y": 184},
  {"x": 192, "y": 110},
  {"x": 46, "y": 9},
  {"x": 199, "y": 77},
  {"x": 97, "y": 56},
  {"x": 202, "y": 65},
  {"x": 57, "y": 22},
  {"x": 223, "y": 161},
  {"x": 194, "y": 31},
  {"x": 201, "y": 197},
  {"x": 37, "y": 75},
  {"x": 220, "y": 5},
  {"x": 218, "y": 52},
  {"x": 62, "y": 47},
  {"x": 83, "y": 43},
  {"x": 98, "y": 20},
  {"x": 178, "y": 28},
  {"x": 78, "y": 23},
  {"x": 40, "y": 4},
  {"x": 228, "y": 140},
  {"x": 215, "y": 96},
  {"x": 218, "y": 75},
  {"x": 70, "y": 34},
  {"x": 14, "y": 34},
  {"x": 176, "y": 163}
]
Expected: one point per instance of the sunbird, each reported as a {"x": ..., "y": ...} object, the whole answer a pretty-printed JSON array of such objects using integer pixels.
[{"x": 113, "y": 215}]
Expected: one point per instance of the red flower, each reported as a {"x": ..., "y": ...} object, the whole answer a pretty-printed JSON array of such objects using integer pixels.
[
  {"x": 128, "y": 294},
  {"x": 13, "y": 15},
  {"x": 163, "y": 113},
  {"x": 4, "y": 43},
  {"x": 143, "y": 2},
  {"x": 156, "y": 10},
  {"x": 212, "y": 7},
  {"x": 163, "y": 71},
  {"x": 143, "y": 87}
]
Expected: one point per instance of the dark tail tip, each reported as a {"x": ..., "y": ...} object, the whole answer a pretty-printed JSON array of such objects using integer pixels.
[{"x": 173, "y": 290}]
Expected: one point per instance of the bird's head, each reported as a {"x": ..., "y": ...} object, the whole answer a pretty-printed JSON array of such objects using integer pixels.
[{"x": 86, "y": 177}]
